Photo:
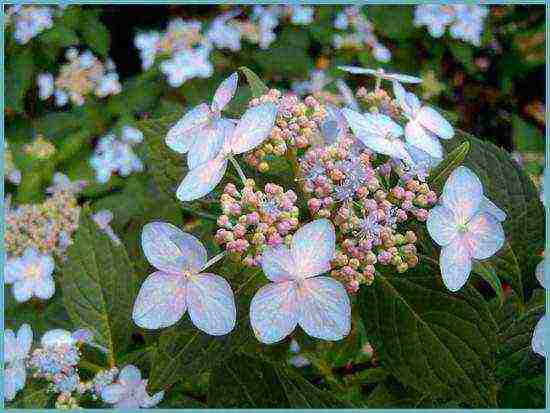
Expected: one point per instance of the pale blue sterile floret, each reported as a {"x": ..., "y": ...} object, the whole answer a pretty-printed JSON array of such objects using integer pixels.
[
  {"x": 130, "y": 391},
  {"x": 30, "y": 275},
  {"x": 16, "y": 351}
]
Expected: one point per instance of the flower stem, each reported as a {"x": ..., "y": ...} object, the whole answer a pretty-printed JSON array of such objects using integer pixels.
[
  {"x": 213, "y": 260},
  {"x": 238, "y": 168},
  {"x": 377, "y": 84}
]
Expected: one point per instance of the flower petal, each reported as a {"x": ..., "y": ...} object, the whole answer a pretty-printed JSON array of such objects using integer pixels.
[
  {"x": 435, "y": 123},
  {"x": 224, "y": 93},
  {"x": 24, "y": 341},
  {"x": 325, "y": 309},
  {"x": 455, "y": 263},
  {"x": 57, "y": 337},
  {"x": 253, "y": 128},
  {"x": 44, "y": 287},
  {"x": 442, "y": 225},
  {"x": 421, "y": 138},
  {"x": 488, "y": 206},
  {"x": 22, "y": 290},
  {"x": 130, "y": 376},
  {"x": 313, "y": 247},
  {"x": 209, "y": 142},
  {"x": 278, "y": 264},
  {"x": 211, "y": 304},
  {"x": 171, "y": 250},
  {"x": 147, "y": 401},
  {"x": 181, "y": 136},
  {"x": 485, "y": 236},
  {"x": 540, "y": 273},
  {"x": 537, "y": 342},
  {"x": 202, "y": 180},
  {"x": 274, "y": 311},
  {"x": 13, "y": 270},
  {"x": 10, "y": 346},
  {"x": 10, "y": 388},
  {"x": 113, "y": 393},
  {"x": 462, "y": 193},
  {"x": 161, "y": 301}
]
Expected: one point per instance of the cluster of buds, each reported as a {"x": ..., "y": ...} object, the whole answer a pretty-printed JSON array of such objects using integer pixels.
[
  {"x": 83, "y": 75},
  {"x": 296, "y": 127},
  {"x": 352, "y": 187},
  {"x": 379, "y": 101},
  {"x": 47, "y": 226},
  {"x": 253, "y": 219},
  {"x": 40, "y": 148}
]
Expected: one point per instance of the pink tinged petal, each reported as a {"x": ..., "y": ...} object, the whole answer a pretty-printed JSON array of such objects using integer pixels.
[
  {"x": 211, "y": 304},
  {"x": 202, "y": 180},
  {"x": 171, "y": 250},
  {"x": 442, "y": 225},
  {"x": 114, "y": 393},
  {"x": 253, "y": 128},
  {"x": 13, "y": 270},
  {"x": 408, "y": 102},
  {"x": 325, "y": 309},
  {"x": 491, "y": 208},
  {"x": 83, "y": 335},
  {"x": 19, "y": 375},
  {"x": 130, "y": 376},
  {"x": 10, "y": 346},
  {"x": 274, "y": 311},
  {"x": 455, "y": 263},
  {"x": 208, "y": 143},
  {"x": 421, "y": 138},
  {"x": 485, "y": 236},
  {"x": 537, "y": 342},
  {"x": 435, "y": 123},
  {"x": 224, "y": 93},
  {"x": 24, "y": 341},
  {"x": 148, "y": 402},
  {"x": 181, "y": 136},
  {"x": 462, "y": 193},
  {"x": 10, "y": 388},
  {"x": 278, "y": 264},
  {"x": 540, "y": 271},
  {"x": 22, "y": 290},
  {"x": 313, "y": 247},
  {"x": 57, "y": 337},
  {"x": 44, "y": 287},
  {"x": 47, "y": 264},
  {"x": 161, "y": 301}
]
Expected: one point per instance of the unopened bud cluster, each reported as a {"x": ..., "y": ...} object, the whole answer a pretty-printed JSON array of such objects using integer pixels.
[
  {"x": 254, "y": 219},
  {"x": 296, "y": 127},
  {"x": 47, "y": 226},
  {"x": 362, "y": 194}
]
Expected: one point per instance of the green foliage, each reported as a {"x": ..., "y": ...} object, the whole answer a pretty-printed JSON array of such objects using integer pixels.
[
  {"x": 257, "y": 87},
  {"x": 439, "y": 175},
  {"x": 35, "y": 396},
  {"x": 437, "y": 342},
  {"x": 19, "y": 75},
  {"x": 99, "y": 287}
]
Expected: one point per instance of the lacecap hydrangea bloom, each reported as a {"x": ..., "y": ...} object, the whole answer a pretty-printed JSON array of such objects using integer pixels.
[
  {"x": 466, "y": 225},
  {"x": 16, "y": 352},
  {"x": 130, "y": 391},
  {"x": 179, "y": 284}
]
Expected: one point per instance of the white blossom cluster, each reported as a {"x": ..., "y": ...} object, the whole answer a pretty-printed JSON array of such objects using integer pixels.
[{"x": 29, "y": 21}]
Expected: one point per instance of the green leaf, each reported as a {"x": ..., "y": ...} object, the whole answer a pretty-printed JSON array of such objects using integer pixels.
[
  {"x": 384, "y": 18},
  {"x": 439, "y": 175},
  {"x": 487, "y": 273},
  {"x": 58, "y": 36},
  {"x": 19, "y": 74},
  {"x": 513, "y": 191},
  {"x": 257, "y": 87},
  {"x": 99, "y": 287},
  {"x": 437, "y": 342},
  {"x": 526, "y": 137},
  {"x": 35, "y": 395},
  {"x": 95, "y": 34},
  {"x": 245, "y": 381}
]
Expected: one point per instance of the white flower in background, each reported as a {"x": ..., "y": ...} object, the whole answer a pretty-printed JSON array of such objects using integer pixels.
[
  {"x": 62, "y": 182},
  {"x": 46, "y": 86},
  {"x": 465, "y": 20},
  {"x": 267, "y": 18},
  {"x": 130, "y": 391},
  {"x": 341, "y": 21},
  {"x": 425, "y": 125},
  {"x": 298, "y": 295},
  {"x": 252, "y": 129},
  {"x": 148, "y": 45},
  {"x": 131, "y": 135},
  {"x": 316, "y": 83},
  {"x": 108, "y": 85},
  {"x": 302, "y": 15},
  {"x": 16, "y": 352},
  {"x": 30, "y": 21},
  {"x": 188, "y": 64},
  {"x": 537, "y": 342},
  {"x": 464, "y": 227},
  {"x": 223, "y": 34},
  {"x": 297, "y": 360},
  {"x": 30, "y": 275},
  {"x": 379, "y": 133},
  {"x": 179, "y": 284}
]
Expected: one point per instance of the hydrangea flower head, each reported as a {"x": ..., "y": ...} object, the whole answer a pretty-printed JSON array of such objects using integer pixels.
[
  {"x": 297, "y": 294},
  {"x": 463, "y": 227},
  {"x": 179, "y": 284},
  {"x": 16, "y": 351},
  {"x": 251, "y": 130},
  {"x": 130, "y": 391},
  {"x": 62, "y": 182},
  {"x": 200, "y": 132},
  {"x": 30, "y": 275}
]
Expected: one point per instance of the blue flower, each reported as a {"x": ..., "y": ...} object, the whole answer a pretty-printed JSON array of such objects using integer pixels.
[
  {"x": 16, "y": 351},
  {"x": 130, "y": 391}
]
